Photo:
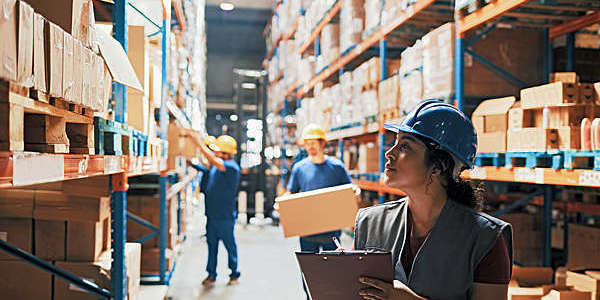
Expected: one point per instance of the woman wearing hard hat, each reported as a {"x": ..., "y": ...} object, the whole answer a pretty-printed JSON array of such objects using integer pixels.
[
  {"x": 442, "y": 246},
  {"x": 221, "y": 186}
]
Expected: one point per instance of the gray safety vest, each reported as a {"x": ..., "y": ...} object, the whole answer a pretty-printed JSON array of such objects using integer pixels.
[{"x": 444, "y": 266}]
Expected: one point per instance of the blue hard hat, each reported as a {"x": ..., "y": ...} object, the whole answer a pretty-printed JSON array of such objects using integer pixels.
[{"x": 443, "y": 124}]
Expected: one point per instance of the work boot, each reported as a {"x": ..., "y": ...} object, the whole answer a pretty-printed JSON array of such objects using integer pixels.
[
  {"x": 233, "y": 280},
  {"x": 209, "y": 281}
]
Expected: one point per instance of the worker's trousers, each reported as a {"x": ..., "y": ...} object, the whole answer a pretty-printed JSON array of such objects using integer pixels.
[{"x": 221, "y": 230}]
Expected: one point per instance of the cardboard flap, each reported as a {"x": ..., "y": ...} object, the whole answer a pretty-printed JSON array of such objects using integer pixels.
[
  {"x": 117, "y": 61},
  {"x": 494, "y": 106}
]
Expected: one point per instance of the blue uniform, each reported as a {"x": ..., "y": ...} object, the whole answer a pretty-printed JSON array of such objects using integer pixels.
[
  {"x": 220, "y": 189},
  {"x": 307, "y": 176}
]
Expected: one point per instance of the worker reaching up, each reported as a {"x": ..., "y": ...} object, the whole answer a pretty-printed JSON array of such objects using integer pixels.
[
  {"x": 222, "y": 176},
  {"x": 317, "y": 171}
]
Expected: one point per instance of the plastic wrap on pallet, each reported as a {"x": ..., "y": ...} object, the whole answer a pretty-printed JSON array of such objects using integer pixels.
[
  {"x": 346, "y": 86},
  {"x": 330, "y": 43},
  {"x": 411, "y": 87},
  {"x": 352, "y": 18},
  {"x": 438, "y": 62},
  {"x": 372, "y": 15},
  {"x": 412, "y": 58},
  {"x": 389, "y": 93},
  {"x": 306, "y": 69},
  {"x": 391, "y": 9},
  {"x": 360, "y": 77}
]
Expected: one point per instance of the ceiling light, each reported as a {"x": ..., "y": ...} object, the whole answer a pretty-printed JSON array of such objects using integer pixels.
[
  {"x": 248, "y": 85},
  {"x": 226, "y": 6},
  {"x": 233, "y": 118}
]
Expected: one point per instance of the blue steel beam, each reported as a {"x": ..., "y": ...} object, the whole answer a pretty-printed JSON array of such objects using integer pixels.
[
  {"x": 459, "y": 80},
  {"x": 120, "y": 34},
  {"x": 513, "y": 79},
  {"x": 341, "y": 149},
  {"x": 147, "y": 238},
  {"x": 382, "y": 59},
  {"x": 144, "y": 15},
  {"x": 163, "y": 112},
  {"x": 515, "y": 205},
  {"x": 547, "y": 226},
  {"x": 141, "y": 221},
  {"x": 162, "y": 263},
  {"x": 118, "y": 206},
  {"x": 47, "y": 267}
]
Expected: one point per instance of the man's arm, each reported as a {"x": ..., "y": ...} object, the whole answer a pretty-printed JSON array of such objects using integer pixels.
[{"x": 210, "y": 156}]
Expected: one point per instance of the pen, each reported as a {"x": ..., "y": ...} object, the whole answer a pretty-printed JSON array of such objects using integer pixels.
[{"x": 337, "y": 242}]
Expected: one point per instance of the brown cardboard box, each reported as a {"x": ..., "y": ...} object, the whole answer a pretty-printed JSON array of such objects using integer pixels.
[
  {"x": 23, "y": 281},
  {"x": 65, "y": 13},
  {"x": 67, "y": 83},
  {"x": 490, "y": 119},
  {"x": 18, "y": 232},
  {"x": 586, "y": 93},
  {"x": 580, "y": 281},
  {"x": 492, "y": 115},
  {"x": 567, "y": 77},
  {"x": 8, "y": 32},
  {"x": 527, "y": 238},
  {"x": 438, "y": 62},
  {"x": 584, "y": 245},
  {"x": 569, "y": 138},
  {"x": 392, "y": 66},
  {"x": 16, "y": 203},
  {"x": 491, "y": 142},
  {"x": 532, "y": 140},
  {"x": 368, "y": 158},
  {"x": 552, "y": 94},
  {"x": 99, "y": 104},
  {"x": 137, "y": 111},
  {"x": 25, "y": 45},
  {"x": 597, "y": 92},
  {"x": 147, "y": 207},
  {"x": 117, "y": 61},
  {"x": 519, "y": 118},
  {"x": 50, "y": 239},
  {"x": 59, "y": 206},
  {"x": 155, "y": 91},
  {"x": 529, "y": 283},
  {"x": 78, "y": 72},
  {"x": 40, "y": 79},
  {"x": 374, "y": 71},
  {"x": 96, "y": 272},
  {"x": 150, "y": 260},
  {"x": 567, "y": 294},
  {"x": 309, "y": 213},
  {"x": 54, "y": 59},
  {"x": 389, "y": 93},
  {"x": 86, "y": 94},
  {"x": 532, "y": 275},
  {"x": 86, "y": 241}
]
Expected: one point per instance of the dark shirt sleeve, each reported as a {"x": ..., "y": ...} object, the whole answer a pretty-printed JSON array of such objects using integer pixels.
[
  {"x": 495, "y": 267},
  {"x": 293, "y": 184},
  {"x": 344, "y": 175},
  {"x": 200, "y": 167}
]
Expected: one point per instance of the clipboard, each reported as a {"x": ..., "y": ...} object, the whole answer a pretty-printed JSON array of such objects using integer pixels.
[{"x": 333, "y": 275}]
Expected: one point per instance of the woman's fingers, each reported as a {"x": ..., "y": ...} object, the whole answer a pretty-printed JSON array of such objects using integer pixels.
[
  {"x": 374, "y": 282},
  {"x": 372, "y": 293}
]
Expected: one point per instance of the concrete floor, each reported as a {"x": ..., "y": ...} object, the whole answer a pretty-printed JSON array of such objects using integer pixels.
[{"x": 266, "y": 261}]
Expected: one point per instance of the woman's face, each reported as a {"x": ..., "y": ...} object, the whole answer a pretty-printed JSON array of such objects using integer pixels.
[{"x": 405, "y": 163}]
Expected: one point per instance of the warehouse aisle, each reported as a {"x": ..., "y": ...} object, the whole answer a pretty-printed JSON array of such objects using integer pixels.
[{"x": 269, "y": 269}]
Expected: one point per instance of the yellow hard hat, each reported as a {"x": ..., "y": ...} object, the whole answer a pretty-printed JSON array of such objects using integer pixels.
[
  {"x": 313, "y": 132},
  {"x": 225, "y": 144},
  {"x": 210, "y": 140}
]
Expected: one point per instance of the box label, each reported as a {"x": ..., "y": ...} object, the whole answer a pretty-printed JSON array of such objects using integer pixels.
[
  {"x": 589, "y": 178},
  {"x": 529, "y": 175}
]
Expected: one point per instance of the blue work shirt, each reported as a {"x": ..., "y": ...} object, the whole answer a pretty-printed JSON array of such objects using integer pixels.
[
  {"x": 307, "y": 176},
  {"x": 220, "y": 190}
]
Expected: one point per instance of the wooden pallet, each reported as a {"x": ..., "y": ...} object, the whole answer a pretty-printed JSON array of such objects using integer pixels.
[
  {"x": 534, "y": 160},
  {"x": 27, "y": 124},
  {"x": 112, "y": 138}
]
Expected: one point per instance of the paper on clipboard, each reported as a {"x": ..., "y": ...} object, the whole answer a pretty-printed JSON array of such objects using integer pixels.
[{"x": 334, "y": 275}]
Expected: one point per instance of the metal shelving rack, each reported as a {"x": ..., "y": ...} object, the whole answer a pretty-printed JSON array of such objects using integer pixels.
[
  {"x": 556, "y": 20},
  {"x": 14, "y": 172}
]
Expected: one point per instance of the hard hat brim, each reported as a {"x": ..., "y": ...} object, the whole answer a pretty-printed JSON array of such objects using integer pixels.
[{"x": 313, "y": 137}]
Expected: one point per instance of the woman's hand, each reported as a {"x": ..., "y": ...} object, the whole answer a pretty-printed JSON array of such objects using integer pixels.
[{"x": 381, "y": 290}]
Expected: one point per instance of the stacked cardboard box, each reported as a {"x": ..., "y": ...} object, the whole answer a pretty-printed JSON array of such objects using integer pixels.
[
  {"x": 372, "y": 15},
  {"x": 181, "y": 146},
  {"x": 411, "y": 77},
  {"x": 330, "y": 44},
  {"x": 69, "y": 228},
  {"x": 552, "y": 113},
  {"x": 584, "y": 244},
  {"x": 389, "y": 98},
  {"x": 368, "y": 158},
  {"x": 490, "y": 120},
  {"x": 438, "y": 62},
  {"x": 527, "y": 238},
  {"x": 587, "y": 281},
  {"x": 352, "y": 19},
  {"x": 536, "y": 283},
  {"x": 139, "y": 110}
]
